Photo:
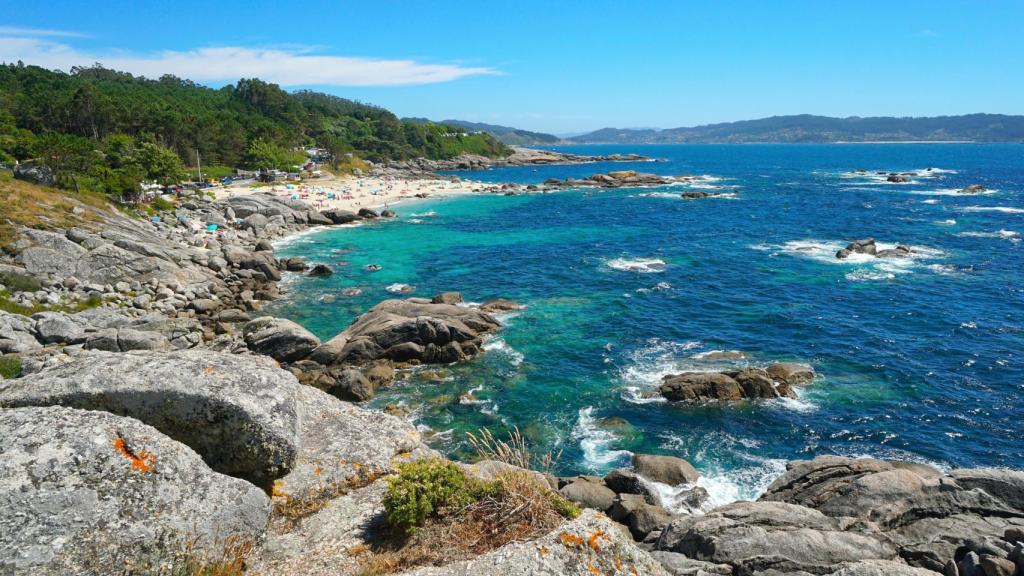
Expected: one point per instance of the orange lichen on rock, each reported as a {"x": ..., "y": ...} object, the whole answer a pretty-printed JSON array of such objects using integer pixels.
[
  {"x": 633, "y": 570},
  {"x": 208, "y": 370},
  {"x": 570, "y": 540},
  {"x": 618, "y": 562},
  {"x": 278, "y": 489},
  {"x": 593, "y": 570},
  {"x": 142, "y": 461},
  {"x": 543, "y": 551},
  {"x": 592, "y": 541}
]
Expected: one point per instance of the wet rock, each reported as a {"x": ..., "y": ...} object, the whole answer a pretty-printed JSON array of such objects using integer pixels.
[
  {"x": 695, "y": 387},
  {"x": 897, "y": 178},
  {"x": 368, "y": 213},
  {"x": 589, "y": 494},
  {"x": 500, "y": 305},
  {"x": 447, "y": 298},
  {"x": 973, "y": 189},
  {"x": 791, "y": 373},
  {"x": 297, "y": 264},
  {"x": 665, "y": 469},
  {"x": 864, "y": 246},
  {"x": 320, "y": 270},
  {"x": 116, "y": 493},
  {"x": 337, "y": 216},
  {"x": 281, "y": 339},
  {"x": 237, "y": 412}
]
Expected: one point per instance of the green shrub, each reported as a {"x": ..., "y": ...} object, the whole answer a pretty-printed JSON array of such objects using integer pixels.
[
  {"x": 565, "y": 508},
  {"x": 10, "y": 366},
  {"x": 19, "y": 282},
  {"x": 161, "y": 204},
  {"x": 427, "y": 488}
]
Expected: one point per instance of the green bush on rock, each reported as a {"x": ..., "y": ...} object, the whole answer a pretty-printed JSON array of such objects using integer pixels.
[{"x": 426, "y": 488}]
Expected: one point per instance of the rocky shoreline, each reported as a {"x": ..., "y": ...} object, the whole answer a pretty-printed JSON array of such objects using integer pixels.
[{"x": 154, "y": 415}]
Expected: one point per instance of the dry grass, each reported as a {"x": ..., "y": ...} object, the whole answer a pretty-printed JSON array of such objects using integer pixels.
[
  {"x": 290, "y": 509},
  {"x": 171, "y": 557},
  {"x": 32, "y": 206},
  {"x": 514, "y": 451},
  {"x": 517, "y": 506}
]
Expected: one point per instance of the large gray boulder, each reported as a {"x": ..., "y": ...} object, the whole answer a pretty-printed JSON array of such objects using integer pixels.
[
  {"x": 758, "y": 536},
  {"x": 54, "y": 327},
  {"x": 84, "y": 492},
  {"x": 35, "y": 173},
  {"x": 341, "y": 445},
  {"x": 438, "y": 333},
  {"x": 589, "y": 494},
  {"x": 279, "y": 338},
  {"x": 929, "y": 516},
  {"x": 17, "y": 334},
  {"x": 665, "y": 469},
  {"x": 238, "y": 412},
  {"x": 125, "y": 340}
]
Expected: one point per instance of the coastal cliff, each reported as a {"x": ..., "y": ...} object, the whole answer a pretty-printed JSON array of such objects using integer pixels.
[{"x": 154, "y": 423}]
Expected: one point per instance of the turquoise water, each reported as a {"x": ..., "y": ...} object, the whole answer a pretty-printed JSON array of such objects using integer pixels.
[{"x": 920, "y": 359}]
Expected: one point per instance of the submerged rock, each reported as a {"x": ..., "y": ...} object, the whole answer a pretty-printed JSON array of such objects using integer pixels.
[
  {"x": 973, "y": 189},
  {"x": 83, "y": 492}
]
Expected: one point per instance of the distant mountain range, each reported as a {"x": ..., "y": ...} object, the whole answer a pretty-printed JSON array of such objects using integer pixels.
[
  {"x": 504, "y": 134},
  {"x": 811, "y": 129}
]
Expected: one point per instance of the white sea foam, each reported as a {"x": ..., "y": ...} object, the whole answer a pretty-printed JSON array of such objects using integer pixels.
[
  {"x": 302, "y": 237},
  {"x": 930, "y": 201},
  {"x": 869, "y": 267},
  {"x": 424, "y": 214},
  {"x": 499, "y": 346},
  {"x": 745, "y": 483},
  {"x": 1004, "y": 234},
  {"x": 660, "y": 286},
  {"x": 638, "y": 265},
  {"x": 949, "y": 222},
  {"x": 949, "y": 192},
  {"x": 646, "y": 366},
  {"x": 596, "y": 442},
  {"x": 1003, "y": 209},
  {"x": 398, "y": 288}
]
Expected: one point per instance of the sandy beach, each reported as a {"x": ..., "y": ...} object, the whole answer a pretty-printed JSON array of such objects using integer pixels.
[{"x": 355, "y": 192}]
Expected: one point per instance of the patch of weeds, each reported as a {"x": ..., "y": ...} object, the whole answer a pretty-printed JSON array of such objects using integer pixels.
[
  {"x": 16, "y": 282},
  {"x": 12, "y": 307},
  {"x": 10, "y": 366},
  {"x": 425, "y": 488},
  {"x": 438, "y": 514}
]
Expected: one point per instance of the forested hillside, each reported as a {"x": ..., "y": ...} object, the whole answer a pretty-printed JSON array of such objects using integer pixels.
[
  {"x": 94, "y": 120},
  {"x": 808, "y": 128}
]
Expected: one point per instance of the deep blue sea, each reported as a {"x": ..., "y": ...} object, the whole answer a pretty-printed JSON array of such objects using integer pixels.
[{"x": 920, "y": 359}]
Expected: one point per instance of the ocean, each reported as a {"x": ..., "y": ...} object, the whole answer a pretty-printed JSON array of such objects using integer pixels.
[{"x": 919, "y": 359}]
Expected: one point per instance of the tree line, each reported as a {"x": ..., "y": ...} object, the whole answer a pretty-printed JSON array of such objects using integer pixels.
[{"x": 111, "y": 128}]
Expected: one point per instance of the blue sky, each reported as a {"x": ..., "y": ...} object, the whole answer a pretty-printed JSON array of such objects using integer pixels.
[{"x": 563, "y": 66}]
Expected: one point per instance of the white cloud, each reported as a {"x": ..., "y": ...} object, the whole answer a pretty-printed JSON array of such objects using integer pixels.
[
  {"x": 284, "y": 66},
  {"x": 39, "y": 32}
]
